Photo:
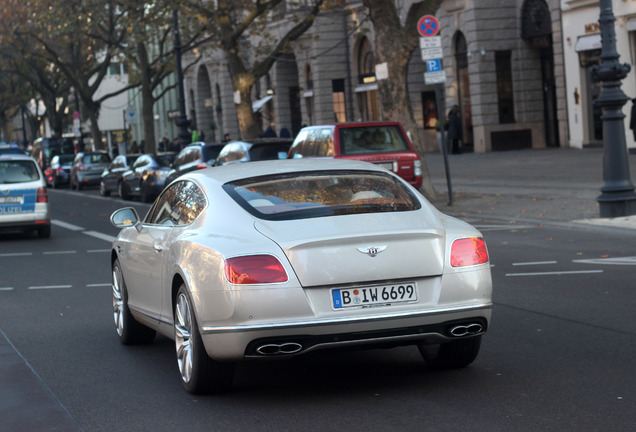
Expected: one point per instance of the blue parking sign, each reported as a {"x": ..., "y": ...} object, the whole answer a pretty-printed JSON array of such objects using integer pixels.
[{"x": 434, "y": 65}]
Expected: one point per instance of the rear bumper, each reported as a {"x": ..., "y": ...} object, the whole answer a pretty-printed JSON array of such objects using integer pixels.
[{"x": 430, "y": 327}]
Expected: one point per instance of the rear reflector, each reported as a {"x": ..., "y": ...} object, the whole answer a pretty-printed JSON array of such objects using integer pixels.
[
  {"x": 254, "y": 269},
  {"x": 468, "y": 251}
]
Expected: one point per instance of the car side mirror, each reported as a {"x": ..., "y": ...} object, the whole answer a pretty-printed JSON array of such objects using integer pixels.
[{"x": 126, "y": 218}]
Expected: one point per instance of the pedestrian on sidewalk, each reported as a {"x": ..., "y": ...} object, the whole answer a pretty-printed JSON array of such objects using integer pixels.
[{"x": 454, "y": 133}]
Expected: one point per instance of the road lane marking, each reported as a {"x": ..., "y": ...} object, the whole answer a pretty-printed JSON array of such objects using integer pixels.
[
  {"x": 610, "y": 261},
  {"x": 59, "y": 252},
  {"x": 533, "y": 263},
  {"x": 17, "y": 254},
  {"x": 99, "y": 285},
  {"x": 6, "y": 288},
  {"x": 481, "y": 227},
  {"x": 98, "y": 251},
  {"x": 102, "y": 236},
  {"x": 43, "y": 287},
  {"x": 66, "y": 225},
  {"x": 557, "y": 273}
]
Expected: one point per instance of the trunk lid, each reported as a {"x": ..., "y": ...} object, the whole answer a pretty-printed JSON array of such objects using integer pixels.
[{"x": 360, "y": 248}]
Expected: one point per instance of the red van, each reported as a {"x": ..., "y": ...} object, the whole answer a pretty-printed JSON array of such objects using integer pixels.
[{"x": 381, "y": 143}]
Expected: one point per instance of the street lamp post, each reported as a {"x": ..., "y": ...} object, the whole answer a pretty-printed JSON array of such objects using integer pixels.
[
  {"x": 182, "y": 120},
  {"x": 617, "y": 193}
]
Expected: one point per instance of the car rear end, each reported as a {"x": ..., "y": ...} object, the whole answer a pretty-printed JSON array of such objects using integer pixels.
[
  {"x": 355, "y": 260},
  {"x": 90, "y": 168},
  {"x": 23, "y": 198},
  {"x": 383, "y": 143}
]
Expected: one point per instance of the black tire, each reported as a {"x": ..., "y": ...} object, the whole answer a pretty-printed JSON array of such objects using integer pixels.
[
  {"x": 102, "y": 189},
  {"x": 199, "y": 373},
  {"x": 129, "y": 331},
  {"x": 451, "y": 355},
  {"x": 44, "y": 231},
  {"x": 123, "y": 191}
]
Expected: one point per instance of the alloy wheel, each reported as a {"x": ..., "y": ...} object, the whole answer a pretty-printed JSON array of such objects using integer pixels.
[
  {"x": 183, "y": 337},
  {"x": 118, "y": 300}
]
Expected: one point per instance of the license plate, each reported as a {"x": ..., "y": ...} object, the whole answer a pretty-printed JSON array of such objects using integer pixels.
[
  {"x": 13, "y": 199},
  {"x": 384, "y": 295}
]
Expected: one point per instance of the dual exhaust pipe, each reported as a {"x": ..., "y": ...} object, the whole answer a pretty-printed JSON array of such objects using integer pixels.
[
  {"x": 466, "y": 329},
  {"x": 279, "y": 349}
]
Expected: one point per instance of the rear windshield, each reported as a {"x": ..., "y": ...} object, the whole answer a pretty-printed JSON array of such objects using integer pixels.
[
  {"x": 317, "y": 194},
  {"x": 18, "y": 171},
  {"x": 66, "y": 159},
  {"x": 95, "y": 158},
  {"x": 372, "y": 139}
]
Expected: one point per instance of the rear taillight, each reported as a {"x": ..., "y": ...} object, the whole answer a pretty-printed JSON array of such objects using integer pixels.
[
  {"x": 254, "y": 269},
  {"x": 42, "y": 197},
  {"x": 468, "y": 251},
  {"x": 202, "y": 165},
  {"x": 417, "y": 168}
]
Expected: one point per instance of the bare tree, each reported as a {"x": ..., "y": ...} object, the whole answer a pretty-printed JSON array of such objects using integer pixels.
[
  {"x": 230, "y": 23},
  {"x": 395, "y": 43}
]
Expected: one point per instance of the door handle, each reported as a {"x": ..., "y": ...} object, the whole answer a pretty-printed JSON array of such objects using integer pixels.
[{"x": 158, "y": 247}]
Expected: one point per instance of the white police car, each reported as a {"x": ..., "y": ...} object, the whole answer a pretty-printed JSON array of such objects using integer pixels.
[{"x": 24, "y": 203}]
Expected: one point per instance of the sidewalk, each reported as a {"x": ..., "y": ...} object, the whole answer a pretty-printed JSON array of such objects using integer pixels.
[{"x": 551, "y": 185}]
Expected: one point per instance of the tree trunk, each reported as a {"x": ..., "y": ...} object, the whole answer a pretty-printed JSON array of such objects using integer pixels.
[
  {"x": 147, "y": 100},
  {"x": 394, "y": 45}
]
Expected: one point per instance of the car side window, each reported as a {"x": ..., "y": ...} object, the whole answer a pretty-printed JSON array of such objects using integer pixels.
[{"x": 179, "y": 204}]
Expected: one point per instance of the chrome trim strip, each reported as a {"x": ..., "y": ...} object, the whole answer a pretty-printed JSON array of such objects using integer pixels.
[{"x": 326, "y": 322}]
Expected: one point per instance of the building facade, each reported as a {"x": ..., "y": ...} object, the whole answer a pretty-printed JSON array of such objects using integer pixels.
[
  {"x": 503, "y": 63},
  {"x": 582, "y": 50}
]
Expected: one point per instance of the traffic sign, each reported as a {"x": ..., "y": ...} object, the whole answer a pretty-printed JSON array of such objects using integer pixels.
[
  {"x": 76, "y": 115},
  {"x": 428, "y": 26},
  {"x": 131, "y": 116},
  {"x": 434, "y": 65},
  {"x": 438, "y": 77},
  {"x": 432, "y": 53}
]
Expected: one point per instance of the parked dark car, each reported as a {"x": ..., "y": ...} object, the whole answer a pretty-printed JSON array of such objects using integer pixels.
[
  {"x": 194, "y": 157},
  {"x": 254, "y": 150},
  {"x": 87, "y": 169},
  {"x": 59, "y": 172},
  {"x": 147, "y": 177},
  {"x": 382, "y": 143},
  {"x": 110, "y": 180}
]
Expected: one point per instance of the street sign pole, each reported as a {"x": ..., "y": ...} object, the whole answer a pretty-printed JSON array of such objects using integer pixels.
[{"x": 431, "y": 51}]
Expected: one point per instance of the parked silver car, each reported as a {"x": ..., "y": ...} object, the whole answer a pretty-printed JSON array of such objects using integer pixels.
[{"x": 281, "y": 258}]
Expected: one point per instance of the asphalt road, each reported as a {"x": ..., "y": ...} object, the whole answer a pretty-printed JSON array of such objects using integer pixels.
[{"x": 559, "y": 355}]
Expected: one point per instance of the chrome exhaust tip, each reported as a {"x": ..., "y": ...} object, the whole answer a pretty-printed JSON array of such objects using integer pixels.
[
  {"x": 466, "y": 329},
  {"x": 279, "y": 349}
]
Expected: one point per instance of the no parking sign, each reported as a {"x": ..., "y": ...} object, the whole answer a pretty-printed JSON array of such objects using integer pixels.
[{"x": 428, "y": 26}]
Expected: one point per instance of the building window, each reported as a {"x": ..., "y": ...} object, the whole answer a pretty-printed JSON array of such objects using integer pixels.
[
  {"x": 116, "y": 69},
  {"x": 339, "y": 108},
  {"x": 503, "y": 67}
]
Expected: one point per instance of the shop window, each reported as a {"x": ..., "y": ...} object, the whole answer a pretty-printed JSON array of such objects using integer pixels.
[
  {"x": 339, "y": 106},
  {"x": 503, "y": 67}
]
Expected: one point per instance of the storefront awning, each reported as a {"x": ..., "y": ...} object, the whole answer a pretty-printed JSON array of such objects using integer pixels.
[
  {"x": 259, "y": 104},
  {"x": 588, "y": 43}
]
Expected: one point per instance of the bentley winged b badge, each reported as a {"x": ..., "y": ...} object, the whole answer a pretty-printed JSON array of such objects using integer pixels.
[{"x": 371, "y": 250}]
